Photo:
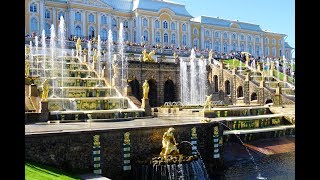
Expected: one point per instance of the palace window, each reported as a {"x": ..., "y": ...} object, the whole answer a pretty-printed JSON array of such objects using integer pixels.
[
  {"x": 125, "y": 24},
  {"x": 280, "y": 42},
  {"x": 234, "y": 36},
  {"x": 47, "y": 14},
  {"x": 47, "y": 29},
  {"x": 34, "y": 25},
  {"x": 165, "y": 38},
  {"x": 173, "y": 26},
  {"x": 242, "y": 37},
  {"x": 273, "y": 41},
  {"x": 157, "y": 24},
  {"x": 104, "y": 19},
  {"x": 208, "y": 45},
  {"x": 280, "y": 52},
  {"x": 234, "y": 47},
  {"x": 195, "y": 31},
  {"x": 145, "y": 35},
  {"x": 91, "y": 32},
  {"x": 184, "y": 40},
  {"x": 266, "y": 40},
  {"x": 114, "y": 36},
  {"x": 216, "y": 46},
  {"x": 145, "y": 22},
  {"x": 91, "y": 18},
  {"x": 61, "y": 14},
  {"x": 257, "y": 39},
  {"x": 33, "y": 7},
  {"x": 173, "y": 38},
  {"x": 250, "y": 48},
  {"x": 165, "y": 24},
  {"x": 274, "y": 53},
  {"x": 216, "y": 34},
  {"x": 195, "y": 43},
  {"x": 258, "y": 50},
  {"x": 225, "y": 47},
  {"x": 157, "y": 36},
  {"x": 134, "y": 23},
  {"x": 207, "y": 33},
  {"x": 78, "y": 31},
  {"x": 267, "y": 51},
  {"x": 104, "y": 34},
  {"x": 134, "y": 36},
  {"x": 225, "y": 35},
  {"x": 114, "y": 22},
  {"x": 249, "y": 38},
  {"x": 184, "y": 27},
  {"x": 77, "y": 16},
  {"x": 126, "y": 36},
  {"x": 241, "y": 47}
]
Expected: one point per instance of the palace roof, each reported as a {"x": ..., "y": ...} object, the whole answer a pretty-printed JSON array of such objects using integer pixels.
[{"x": 286, "y": 45}]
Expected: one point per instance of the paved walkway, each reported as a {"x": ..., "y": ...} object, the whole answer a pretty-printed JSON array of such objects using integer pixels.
[{"x": 92, "y": 177}]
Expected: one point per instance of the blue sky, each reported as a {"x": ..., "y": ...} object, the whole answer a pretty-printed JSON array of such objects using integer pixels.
[{"x": 272, "y": 15}]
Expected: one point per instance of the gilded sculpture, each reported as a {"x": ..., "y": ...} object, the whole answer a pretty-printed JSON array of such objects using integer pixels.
[
  {"x": 95, "y": 55},
  {"x": 78, "y": 45},
  {"x": 210, "y": 54},
  {"x": 208, "y": 102},
  {"x": 145, "y": 88},
  {"x": 27, "y": 68},
  {"x": 148, "y": 57},
  {"x": 126, "y": 137},
  {"x": 169, "y": 144},
  {"x": 45, "y": 90}
]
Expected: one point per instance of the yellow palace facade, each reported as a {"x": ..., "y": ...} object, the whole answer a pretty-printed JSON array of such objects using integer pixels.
[{"x": 153, "y": 22}]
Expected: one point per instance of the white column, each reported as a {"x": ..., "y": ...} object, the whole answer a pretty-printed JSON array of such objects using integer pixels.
[
  {"x": 189, "y": 36},
  {"x": 84, "y": 20},
  {"x": 262, "y": 48},
  {"x": 71, "y": 22},
  {"x": 212, "y": 39},
  {"x": 42, "y": 14},
  {"x": 202, "y": 37},
  {"x": 152, "y": 31},
  {"x": 221, "y": 42},
  {"x": 54, "y": 17},
  {"x": 254, "y": 46},
  {"x": 246, "y": 48},
  {"x": 238, "y": 39},
  {"x": 99, "y": 23},
  {"x": 178, "y": 43},
  {"x": 138, "y": 27},
  {"x": 230, "y": 42}
]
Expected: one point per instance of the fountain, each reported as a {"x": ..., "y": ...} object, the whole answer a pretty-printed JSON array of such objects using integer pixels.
[
  {"x": 284, "y": 65},
  {"x": 44, "y": 52},
  {"x": 99, "y": 60},
  {"x": 52, "y": 50},
  {"x": 193, "y": 90},
  {"x": 124, "y": 65},
  {"x": 36, "y": 39},
  {"x": 109, "y": 65},
  {"x": 62, "y": 32},
  {"x": 89, "y": 52},
  {"x": 172, "y": 164},
  {"x": 31, "y": 59}
]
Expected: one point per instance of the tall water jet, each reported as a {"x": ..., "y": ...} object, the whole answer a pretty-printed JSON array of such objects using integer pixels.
[
  {"x": 44, "y": 52},
  {"x": 202, "y": 80},
  {"x": 268, "y": 70},
  {"x": 123, "y": 60},
  {"x": 89, "y": 52},
  {"x": 184, "y": 82},
  {"x": 52, "y": 49},
  {"x": 36, "y": 52},
  {"x": 284, "y": 66},
  {"x": 31, "y": 59},
  {"x": 110, "y": 40},
  {"x": 193, "y": 81},
  {"x": 99, "y": 59},
  {"x": 62, "y": 33},
  {"x": 278, "y": 69}
]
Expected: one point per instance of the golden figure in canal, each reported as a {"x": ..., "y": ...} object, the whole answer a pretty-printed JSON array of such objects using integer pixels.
[
  {"x": 145, "y": 88},
  {"x": 169, "y": 144}
]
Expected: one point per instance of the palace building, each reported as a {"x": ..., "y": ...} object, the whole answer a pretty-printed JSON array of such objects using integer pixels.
[{"x": 154, "y": 22}]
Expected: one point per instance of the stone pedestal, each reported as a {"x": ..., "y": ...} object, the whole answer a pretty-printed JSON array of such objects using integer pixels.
[
  {"x": 262, "y": 84},
  {"x": 44, "y": 111},
  {"x": 234, "y": 71},
  {"x": 277, "y": 100},
  {"x": 146, "y": 106}
]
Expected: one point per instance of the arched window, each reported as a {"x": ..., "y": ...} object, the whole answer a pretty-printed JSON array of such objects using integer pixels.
[
  {"x": 287, "y": 54},
  {"x": 280, "y": 42},
  {"x": 273, "y": 41},
  {"x": 267, "y": 51},
  {"x": 165, "y": 38},
  {"x": 34, "y": 25},
  {"x": 250, "y": 48},
  {"x": 195, "y": 43},
  {"x": 242, "y": 37},
  {"x": 126, "y": 36},
  {"x": 47, "y": 14},
  {"x": 91, "y": 17},
  {"x": 258, "y": 50},
  {"x": 157, "y": 24},
  {"x": 207, "y": 33},
  {"x": 233, "y": 36},
  {"x": 225, "y": 35},
  {"x": 134, "y": 23},
  {"x": 195, "y": 31},
  {"x": 257, "y": 39},
  {"x": 208, "y": 45},
  {"x": 266, "y": 40},
  {"x": 125, "y": 24},
  {"x": 225, "y": 47},
  {"x": 78, "y": 31},
  {"x": 280, "y": 52},
  {"x": 274, "y": 52},
  {"x": 254, "y": 96},
  {"x": 78, "y": 16},
  {"x": 227, "y": 87},
  {"x": 216, "y": 46},
  {"x": 47, "y": 29},
  {"x": 114, "y": 36},
  {"x": 91, "y": 32},
  {"x": 114, "y": 22},
  {"x": 241, "y": 47},
  {"x": 249, "y": 38},
  {"x": 173, "y": 26},
  {"x": 165, "y": 24},
  {"x": 104, "y": 19},
  {"x": 134, "y": 36},
  {"x": 239, "y": 91},
  {"x": 61, "y": 14},
  {"x": 216, "y": 34},
  {"x": 234, "y": 47},
  {"x": 145, "y": 22},
  {"x": 184, "y": 27},
  {"x": 216, "y": 85},
  {"x": 184, "y": 40},
  {"x": 33, "y": 7},
  {"x": 145, "y": 35},
  {"x": 104, "y": 34},
  {"x": 157, "y": 36},
  {"x": 173, "y": 38},
  {"x": 169, "y": 92}
]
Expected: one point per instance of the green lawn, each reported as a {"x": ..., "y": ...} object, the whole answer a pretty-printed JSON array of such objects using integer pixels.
[
  {"x": 289, "y": 78},
  {"x": 34, "y": 171},
  {"x": 236, "y": 63}
]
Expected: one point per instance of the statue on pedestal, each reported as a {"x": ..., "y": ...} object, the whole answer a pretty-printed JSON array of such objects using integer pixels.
[
  {"x": 150, "y": 58},
  {"x": 95, "y": 55},
  {"x": 208, "y": 102},
  {"x": 78, "y": 46},
  {"x": 145, "y": 88},
  {"x": 45, "y": 90},
  {"x": 169, "y": 144},
  {"x": 145, "y": 55},
  {"x": 27, "y": 68},
  {"x": 210, "y": 55}
]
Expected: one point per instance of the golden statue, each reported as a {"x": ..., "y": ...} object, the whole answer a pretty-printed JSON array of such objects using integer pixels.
[
  {"x": 95, "y": 55},
  {"x": 145, "y": 55},
  {"x": 169, "y": 144},
  {"x": 150, "y": 58},
  {"x": 27, "y": 49},
  {"x": 85, "y": 51},
  {"x": 208, "y": 102},
  {"x": 145, "y": 88},
  {"x": 45, "y": 90},
  {"x": 175, "y": 55},
  {"x": 247, "y": 57},
  {"x": 126, "y": 138},
  {"x": 27, "y": 68},
  {"x": 78, "y": 45},
  {"x": 210, "y": 54}
]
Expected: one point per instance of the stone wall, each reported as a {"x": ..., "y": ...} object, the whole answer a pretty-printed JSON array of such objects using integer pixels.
[{"x": 73, "y": 152}]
